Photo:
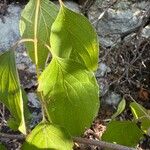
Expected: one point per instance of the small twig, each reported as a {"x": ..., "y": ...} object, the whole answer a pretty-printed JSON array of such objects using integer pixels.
[
  {"x": 20, "y": 42},
  {"x": 86, "y": 6},
  {"x": 12, "y": 136},
  {"x": 101, "y": 144}
]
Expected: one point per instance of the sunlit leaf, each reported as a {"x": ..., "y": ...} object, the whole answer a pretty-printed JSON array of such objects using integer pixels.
[
  {"x": 71, "y": 92},
  {"x": 123, "y": 132},
  {"x": 120, "y": 108},
  {"x": 48, "y": 136},
  {"x": 74, "y": 37},
  {"x": 10, "y": 90},
  {"x": 46, "y": 15},
  {"x": 141, "y": 114}
]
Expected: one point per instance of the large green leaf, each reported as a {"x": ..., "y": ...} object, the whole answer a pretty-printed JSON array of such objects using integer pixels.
[
  {"x": 10, "y": 90},
  {"x": 71, "y": 94},
  {"x": 48, "y": 136},
  {"x": 141, "y": 114},
  {"x": 74, "y": 37},
  {"x": 46, "y": 14},
  {"x": 122, "y": 132}
]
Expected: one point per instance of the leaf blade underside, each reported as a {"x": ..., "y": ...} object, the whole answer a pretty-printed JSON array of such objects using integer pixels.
[
  {"x": 48, "y": 136},
  {"x": 70, "y": 90},
  {"x": 72, "y": 36},
  {"x": 10, "y": 90},
  {"x": 47, "y": 14}
]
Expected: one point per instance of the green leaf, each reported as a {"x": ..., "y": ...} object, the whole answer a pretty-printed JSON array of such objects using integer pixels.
[
  {"x": 74, "y": 37},
  {"x": 2, "y": 147},
  {"x": 48, "y": 136},
  {"x": 141, "y": 114},
  {"x": 46, "y": 12},
  {"x": 71, "y": 93},
  {"x": 120, "y": 108},
  {"x": 27, "y": 113},
  {"x": 122, "y": 132},
  {"x": 10, "y": 91}
]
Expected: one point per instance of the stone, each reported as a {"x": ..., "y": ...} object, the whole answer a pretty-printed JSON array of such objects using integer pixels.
[
  {"x": 112, "y": 99},
  {"x": 102, "y": 70},
  {"x": 70, "y": 4},
  {"x": 146, "y": 32},
  {"x": 33, "y": 100},
  {"x": 111, "y": 22},
  {"x": 9, "y": 31}
]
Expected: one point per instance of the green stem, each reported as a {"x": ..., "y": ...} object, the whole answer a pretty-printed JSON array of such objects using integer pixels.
[
  {"x": 60, "y": 2},
  {"x": 44, "y": 109}
]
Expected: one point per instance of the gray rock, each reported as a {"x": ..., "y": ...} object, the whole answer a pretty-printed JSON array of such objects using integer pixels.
[
  {"x": 33, "y": 100},
  {"x": 9, "y": 31},
  {"x": 36, "y": 118},
  {"x": 104, "y": 86},
  {"x": 70, "y": 4},
  {"x": 102, "y": 70},
  {"x": 112, "y": 99},
  {"x": 146, "y": 32},
  {"x": 111, "y": 22}
]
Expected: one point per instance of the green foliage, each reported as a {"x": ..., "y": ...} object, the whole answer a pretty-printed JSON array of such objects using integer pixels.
[
  {"x": 2, "y": 147},
  {"x": 67, "y": 87},
  {"x": 120, "y": 108},
  {"x": 123, "y": 132},
  {"x": 48, "y": 136},
  {"x": 73, "y": 37},
  {"x": 36, "y": 21},
  {"x": 10, "y": 90},
  {"x": 70, "y": 89},
  {"x": 141, "y": 115}
]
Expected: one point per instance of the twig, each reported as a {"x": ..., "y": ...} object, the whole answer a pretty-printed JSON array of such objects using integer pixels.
[
  {"x": 86, "y": 6},
  {"x": 101, "y": 144},
  {"x": 12, "y": 136}
]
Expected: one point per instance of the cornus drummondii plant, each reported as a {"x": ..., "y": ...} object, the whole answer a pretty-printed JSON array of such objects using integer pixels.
[{"x": 67, "y": 88}]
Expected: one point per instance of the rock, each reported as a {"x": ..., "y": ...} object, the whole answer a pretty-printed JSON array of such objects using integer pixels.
[
  {"x": 111, "y": 22},
  {"x": 102, "y": 70},
  {"x": 103, "y": 86},
  {"x": 33, "y": 100},
  {"x": 9, "y": 31},
  {"x": 36, "y": 119},
  {"x": 70, "y": 4},
  {"x": 112, "y": 99},
  {"x": 146, "y": 32}
]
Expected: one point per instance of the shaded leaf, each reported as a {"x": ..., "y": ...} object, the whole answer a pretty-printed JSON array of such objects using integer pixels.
[
  {"x": 141, "y": 114},
  {"x": 71, "y": 94},
  {"x": 10, "y": 90},
  {"x": 120, "y": 108},
  {"x": 46, "y": 16},
  {"x": 74, "y": 37},
  {"x": 48, "y": 136},
  {"x": 123, "y": 132},
  {"x": 2, "y": 147}
]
